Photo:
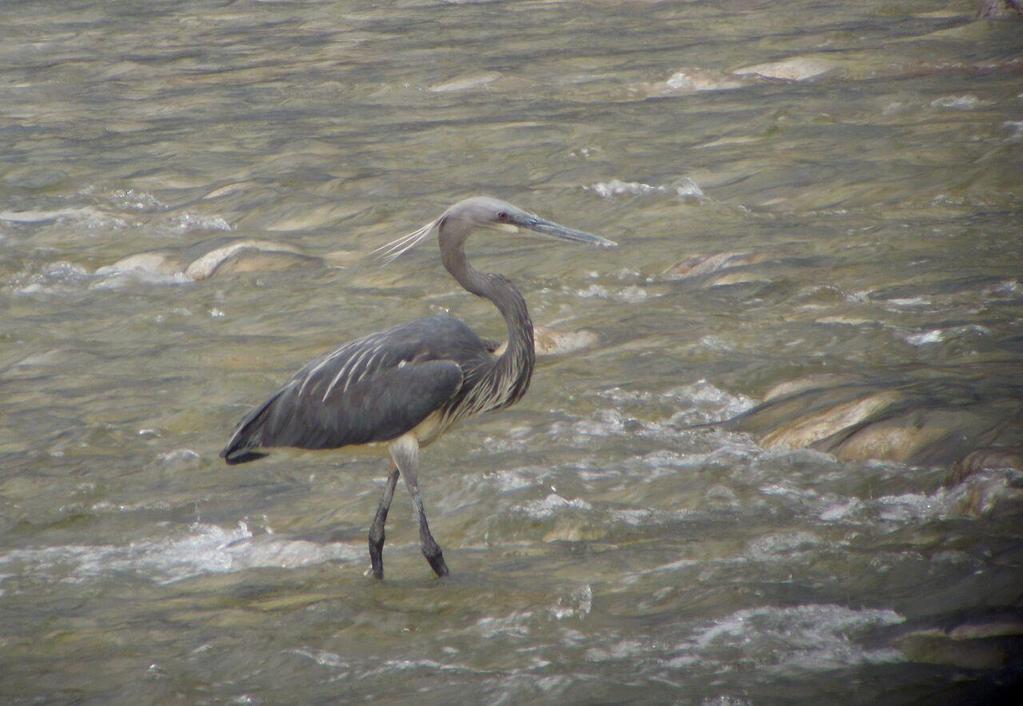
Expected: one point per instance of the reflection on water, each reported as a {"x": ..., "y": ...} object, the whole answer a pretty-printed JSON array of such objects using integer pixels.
[{"x": 818, "y": 207}]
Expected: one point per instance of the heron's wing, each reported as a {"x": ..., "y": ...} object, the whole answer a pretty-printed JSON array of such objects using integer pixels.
[{"x": 373, "y": 389}]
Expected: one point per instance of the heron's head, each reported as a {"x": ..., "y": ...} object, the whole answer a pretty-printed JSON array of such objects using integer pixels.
[
  {"x": 488, "y": 212},
  {"x": 456, "y": 223}
]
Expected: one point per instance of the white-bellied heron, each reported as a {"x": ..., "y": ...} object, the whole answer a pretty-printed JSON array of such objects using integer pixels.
[{"x": 402, "y": 388}]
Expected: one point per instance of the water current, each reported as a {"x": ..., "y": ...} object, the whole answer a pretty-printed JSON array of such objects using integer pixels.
[{"x": 813, "y": 194}]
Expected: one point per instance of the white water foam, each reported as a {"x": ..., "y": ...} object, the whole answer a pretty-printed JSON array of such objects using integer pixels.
[
  {"x": 698, "y": 402},
  {"x": 551, "y": 505},
  {"x": 191, "y": 222},
  {"x": 110, "y": 278},
  {"x": 86, "y": 216},
  {"x": 576, "y": 605},
  {"x": 706, "y": 402},
  {"x": 135, "y": 200},
  {"x": 964, "y": 102},
  {"x": 631, "y": 294},
  {"x": 61, "y": 278},
  {"x": 684, "y": 188},
  {"x": 926, "y": 338},
  {"x": 55, "y": 277},
  {"x": 321, "y": 657},
  {"x": 205, "y": 549},
  {"x": 806, "y": 638},
  {"x": 782, "y": 545},
  {"x": 514, "y": 625}
]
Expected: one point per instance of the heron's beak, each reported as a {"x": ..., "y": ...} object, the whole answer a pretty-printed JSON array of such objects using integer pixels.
[{"x": 554, "y": 230}]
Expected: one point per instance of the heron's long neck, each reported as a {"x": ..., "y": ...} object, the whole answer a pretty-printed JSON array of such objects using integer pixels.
[{"x": 516, "y": 363}]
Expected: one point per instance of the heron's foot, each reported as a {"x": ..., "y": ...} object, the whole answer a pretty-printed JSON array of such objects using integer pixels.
[
  {"x": 434, "y": 555},
  {"x": 376, "y": 557},
  {"x": 438, "y": 565}
]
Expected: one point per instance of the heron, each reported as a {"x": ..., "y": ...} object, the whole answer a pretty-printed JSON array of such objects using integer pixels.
[{"x": 397, "y": 391}]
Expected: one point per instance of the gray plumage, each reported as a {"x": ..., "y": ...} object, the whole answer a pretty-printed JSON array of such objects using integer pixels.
[
  {"x": 405, "y": 386},
  {"x": 375, "y": 389}
]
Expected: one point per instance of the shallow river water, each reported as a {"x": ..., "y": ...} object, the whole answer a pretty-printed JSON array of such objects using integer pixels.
[{"x": 841, "y": 183}]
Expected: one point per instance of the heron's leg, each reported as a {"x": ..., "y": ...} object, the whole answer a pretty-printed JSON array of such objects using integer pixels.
[
  {"x": 376, "y": 530},
  {"x": 405, "y": 453}
]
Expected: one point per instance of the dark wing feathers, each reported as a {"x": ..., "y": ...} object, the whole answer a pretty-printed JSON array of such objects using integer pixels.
[
  {"x": 381, "y": 407},
  {"x": 373, "y": 389}
]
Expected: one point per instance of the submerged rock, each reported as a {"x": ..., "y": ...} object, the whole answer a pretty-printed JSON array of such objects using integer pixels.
[
  {"x": 549, "y": 341},
  {"x": 465, "y": 83},
  {"x": 719, "y": 268},
  {"x": 984, "y": 459},
  {"x": 917, "y": 422},
  {"x": 797, "y": 68},
  {"x": 704, "y": 264},
  {"x": 810, "y": 382},
  {"x": 247, "y": 256},
  {"x": 989, "y": 492},
  {"x": 689, "y": 80},
  {"x": 162, "y": 262},
  {"x": 918, "y": 436},
  {"x": 693, "y": 80},
  {"x": 552, "y": 342},
  {"x": 989, "y": 640},
  {"x": 999, "y": 9},
  {"x": 827, "y": 420},
  {"x": 212, "y": 257}
]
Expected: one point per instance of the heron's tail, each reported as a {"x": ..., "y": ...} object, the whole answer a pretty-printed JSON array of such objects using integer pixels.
[
  {"x": 244, "y": 456},
  {"x": 248, "y": 435}
]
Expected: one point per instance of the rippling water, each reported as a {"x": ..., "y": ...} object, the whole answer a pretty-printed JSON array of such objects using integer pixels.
[{"x": 852, "y": 170}]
